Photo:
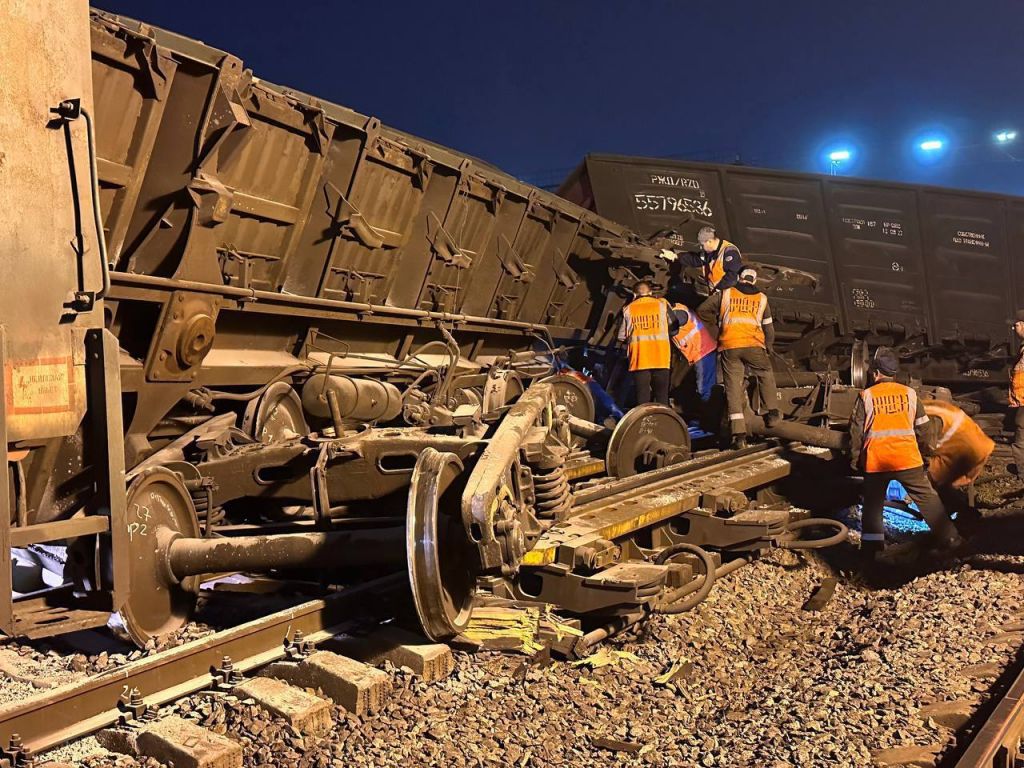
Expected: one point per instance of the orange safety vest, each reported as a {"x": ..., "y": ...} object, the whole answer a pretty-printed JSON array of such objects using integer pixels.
[
  {"x": 962, "y": 448},
  {"x": 714, "y": 270},
  {"x": 740, "y": 316},
  {"x": 1017, "y": 381},
  {"x": 890, "y": 414},
  {"x": 692, "y": 338},
  {"x": 646, "y": 326}
]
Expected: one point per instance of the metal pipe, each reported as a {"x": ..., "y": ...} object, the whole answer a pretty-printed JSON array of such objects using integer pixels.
[
  {"x": 822, "y": 437},
  {"x": 694, "y": 586},
  {"x": 587, "y": 429},
  {"x": 191, "y": 557}
]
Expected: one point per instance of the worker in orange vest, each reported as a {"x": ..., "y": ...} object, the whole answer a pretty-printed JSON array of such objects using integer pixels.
[
  {"x": 959, "y": 447},
  {"x": 697, "y": 346},
  {"x": 745, "y": 334},
  {"x": 648, "y": 325},
  {"x": 719, "y": 260},
  {"x": 1017, "y": 399},
  {"x": 888, "y": 437}
]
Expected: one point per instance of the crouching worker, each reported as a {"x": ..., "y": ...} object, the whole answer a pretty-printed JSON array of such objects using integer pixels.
[
  {"x": 888, "y": 437},
  {"x": 697, "y": 346},
  {"x": 960, "y": 449}
]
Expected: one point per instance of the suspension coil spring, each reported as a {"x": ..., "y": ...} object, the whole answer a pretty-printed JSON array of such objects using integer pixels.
[{"x": 553, "y": 497}]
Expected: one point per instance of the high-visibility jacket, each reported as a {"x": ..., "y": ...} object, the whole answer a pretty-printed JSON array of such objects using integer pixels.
[
  {"x": 714, "y": 270},
  {"x": 646, "y": 326},
  {"x": 961, "y": 449},
  {"x": 692, "y": 338},
  {"x": 1017, "y": 381},
  {"x": 889, "y": 440},
  {"x": 740, "y": 318}
]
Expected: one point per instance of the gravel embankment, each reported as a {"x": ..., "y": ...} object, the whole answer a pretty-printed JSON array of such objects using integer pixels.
[{"x": 769, "y": 684}]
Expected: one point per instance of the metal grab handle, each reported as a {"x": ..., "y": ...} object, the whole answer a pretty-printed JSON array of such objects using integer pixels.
[
  {"x": 69, "y": 110},
  {"x": 97, "y": 216}
]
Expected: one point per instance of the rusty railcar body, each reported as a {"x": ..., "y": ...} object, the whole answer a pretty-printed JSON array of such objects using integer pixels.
[{"x": 929, "y": 270}]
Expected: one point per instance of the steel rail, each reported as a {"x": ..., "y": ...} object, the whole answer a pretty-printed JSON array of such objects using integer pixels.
[
  {"x": 999, "y": 743},
  {"x": 78, "y": 709}
]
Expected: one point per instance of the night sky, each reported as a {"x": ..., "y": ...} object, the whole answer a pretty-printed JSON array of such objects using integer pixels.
[{"x": 533, "y": 85}]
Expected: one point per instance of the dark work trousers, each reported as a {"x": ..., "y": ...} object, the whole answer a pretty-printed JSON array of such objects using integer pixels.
[
  {"x": 734, "y": 363},
  {"x": 1017, "y": 449},
  {"x": 920, "y": 490},
  {"x": 651, "y": 385}
]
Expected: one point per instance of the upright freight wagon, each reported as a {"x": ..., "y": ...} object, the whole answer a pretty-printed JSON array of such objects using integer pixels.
[{"x": 845, "y": 260}]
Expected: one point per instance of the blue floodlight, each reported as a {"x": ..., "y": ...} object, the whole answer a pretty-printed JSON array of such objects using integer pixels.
[
  {"x": 840, "y": 155},
  {"x": 932, "y": 145},
  {"x": 1005, "y": 137}
]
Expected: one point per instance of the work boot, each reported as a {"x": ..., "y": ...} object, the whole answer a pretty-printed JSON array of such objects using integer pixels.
[
  {"x": 954, "y": 547},
  {"x": 773, "y": 417},
  {"x": 902, "y": 554},
  {"x": 739, "y": 442}
]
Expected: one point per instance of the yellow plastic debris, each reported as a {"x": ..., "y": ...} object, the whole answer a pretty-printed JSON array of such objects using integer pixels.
[{"x": 606, "y": 657}]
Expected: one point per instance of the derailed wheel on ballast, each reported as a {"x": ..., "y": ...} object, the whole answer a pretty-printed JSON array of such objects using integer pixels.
[
  {"x": 440, "y": 556},
  {"x": 648, "y": 437},
  {"x": 159, "y": 509}
]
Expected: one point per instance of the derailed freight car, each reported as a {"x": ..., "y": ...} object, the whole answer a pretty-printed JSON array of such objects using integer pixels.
[
  {"x": 244, "y": 329},
  {"x": 931, "y": 271}
]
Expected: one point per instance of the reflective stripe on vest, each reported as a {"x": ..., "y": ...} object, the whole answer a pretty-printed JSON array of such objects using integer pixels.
[
  {"x": 714, "y": 270},
  {"x": 890, "y": 413},
  {"x": 646, "y": 321},
  {"x": 1017, "y": 381},
  {"x": 741, "y": 317},
  {"x": 957, "y": 421}
]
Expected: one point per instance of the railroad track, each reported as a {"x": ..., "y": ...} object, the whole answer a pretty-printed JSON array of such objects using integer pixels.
[
  {"x": 999, "y": 741},
  {"x": 130, "y": 694}
]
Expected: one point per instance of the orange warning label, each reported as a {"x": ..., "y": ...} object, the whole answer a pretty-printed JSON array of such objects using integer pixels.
[{"x": 39, "y": 386}]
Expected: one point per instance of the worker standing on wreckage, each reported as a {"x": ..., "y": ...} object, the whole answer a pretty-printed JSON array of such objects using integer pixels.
[
  {"x": 719, "y": 260},
  {"x": 888, "y": 440},
  {"x": 648, "y": 325},
  {"x": 745, "y": 334}
]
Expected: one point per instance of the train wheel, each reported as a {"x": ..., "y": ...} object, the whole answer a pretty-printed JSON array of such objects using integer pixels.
[
  {"x": 649, "y": 437},
  {"x": 276, "y": 415},
  {"x": 159, "y": 510},
  {"x": 440, "y": 556},
  {"x": 501, "y": 388},
  {"x": 574, "y": 394},
  {"x": 860, "y": 363}
]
